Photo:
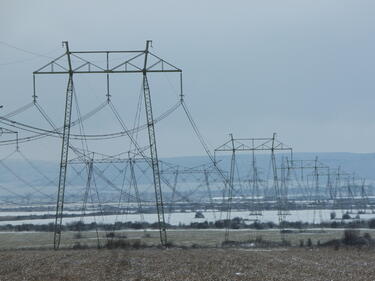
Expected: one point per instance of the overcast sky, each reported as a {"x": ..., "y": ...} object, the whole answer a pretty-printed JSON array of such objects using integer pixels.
[{"x": 303, "y": 69}]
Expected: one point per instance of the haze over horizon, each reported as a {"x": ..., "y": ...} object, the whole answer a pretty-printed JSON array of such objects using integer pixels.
[{"x": 302, "y": 69}]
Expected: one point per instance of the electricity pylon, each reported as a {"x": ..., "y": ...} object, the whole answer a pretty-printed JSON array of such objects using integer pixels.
[
  {"x": 253, "y": 145},
  {"x": 137, "y": 61}
]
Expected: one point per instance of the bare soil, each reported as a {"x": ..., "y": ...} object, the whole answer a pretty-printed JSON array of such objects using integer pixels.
[{"x": 189, "y": 264}]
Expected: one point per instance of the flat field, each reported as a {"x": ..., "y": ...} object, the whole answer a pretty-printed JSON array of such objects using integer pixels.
[
  {"x": 180, "y": 237},
  {"x": 189, "y": 264},
  {"x": 29, "y": 256}
]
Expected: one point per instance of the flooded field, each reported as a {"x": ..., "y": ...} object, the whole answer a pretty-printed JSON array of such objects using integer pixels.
[{"x": 184, "y": 218}]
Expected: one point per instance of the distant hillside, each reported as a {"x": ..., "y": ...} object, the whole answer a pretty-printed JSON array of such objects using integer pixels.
[
  {"x": 362, "y": 164},
  {"x": 21, "y": 177}
]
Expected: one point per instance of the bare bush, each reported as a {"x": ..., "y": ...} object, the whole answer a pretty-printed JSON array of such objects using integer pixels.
[
  {"x": 351, "y": 236},
  {"x": 78, "y": 235},
  {"x": 80, "y": 246}
]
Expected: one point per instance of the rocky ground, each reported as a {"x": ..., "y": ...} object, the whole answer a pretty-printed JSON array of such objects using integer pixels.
[{"x": 189, "y": 264}]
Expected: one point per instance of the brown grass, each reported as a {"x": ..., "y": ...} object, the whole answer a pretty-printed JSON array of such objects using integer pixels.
[{"x": 210, "y": 238}]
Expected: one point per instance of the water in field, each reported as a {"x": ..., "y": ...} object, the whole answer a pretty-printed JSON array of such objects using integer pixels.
[{"x": 178, "y": 218}]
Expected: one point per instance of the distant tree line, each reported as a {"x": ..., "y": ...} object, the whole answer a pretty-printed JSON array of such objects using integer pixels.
[{"x": 235, "y": 223}]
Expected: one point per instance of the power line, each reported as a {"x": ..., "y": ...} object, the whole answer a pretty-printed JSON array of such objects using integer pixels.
[
  {"x": 24, "y": 50},
  {"x": 36, "y": 55}
]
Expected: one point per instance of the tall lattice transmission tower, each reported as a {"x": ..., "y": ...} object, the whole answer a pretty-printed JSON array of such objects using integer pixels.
[{"x": 73, "y": 64}]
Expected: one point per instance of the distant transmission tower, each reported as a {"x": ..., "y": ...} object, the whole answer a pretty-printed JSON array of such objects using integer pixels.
[{"x": 235, "y": 145}]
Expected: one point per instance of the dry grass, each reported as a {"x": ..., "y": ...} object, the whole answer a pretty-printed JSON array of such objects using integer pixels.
[
  {"x": 193, "y": 264},
  {"x": 211, "y": 238}
]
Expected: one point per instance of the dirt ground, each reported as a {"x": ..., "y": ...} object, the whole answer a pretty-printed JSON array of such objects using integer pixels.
[{"x": 189, "y": 264}]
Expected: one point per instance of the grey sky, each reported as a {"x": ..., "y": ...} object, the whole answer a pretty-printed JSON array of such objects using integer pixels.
[{"x": 303, "y": 69}]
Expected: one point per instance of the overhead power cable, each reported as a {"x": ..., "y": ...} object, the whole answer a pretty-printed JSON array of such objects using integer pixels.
[
  {"x": 24, "y": 181},
  {"x": 19, "y": 110},
  {"x": 202, "y": 141},
  {"x": 34, "y": 54},
  {"x": 41, "y": 133},
  {"x": 24, "y": 50},
  {"x": 32, "y": 165}
]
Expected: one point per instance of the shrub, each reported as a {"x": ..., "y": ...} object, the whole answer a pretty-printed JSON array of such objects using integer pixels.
[
  {"x": 334, "y": 224},
  {"x": 333, "y": 215},
  {"x": 77, "y": 235},
  {"x": 367, "y": 236},
  {"x": 286, "y": 231},
  {"x": 259, "y": 239},
  {"x": 169, "y": 244},
  {"x": 351, "y": 236},
  {"x": 346, "y": 216},
  {"x": 371, "y": 223},
  {"x": 114, "y": 244},
  {"x": 110, "y": 234},
  {"x": 229, "y": 243},
  {"x": 332, "y": 243},
  {"x": 137, "y": 244},
  {"x": 147, "y": 235},
  {"x": 219, "y": 224},
  {"x": 285, "y": 243},
  {"x": 124, "y": 244},
  {"x": 258, "y": 225},
  {"x": 301, "y": 243},
  {"x": 79, "y": 246},
  {"x": 309, "y": 242}
]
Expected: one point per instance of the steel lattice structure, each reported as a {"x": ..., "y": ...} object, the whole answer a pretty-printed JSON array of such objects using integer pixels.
[
  {"x": 254, "y": 144},
  {"x": 138, "y": 61}
]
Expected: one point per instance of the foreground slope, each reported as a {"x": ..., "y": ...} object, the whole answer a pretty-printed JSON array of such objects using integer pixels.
[{"x": 192, "y": 264}]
